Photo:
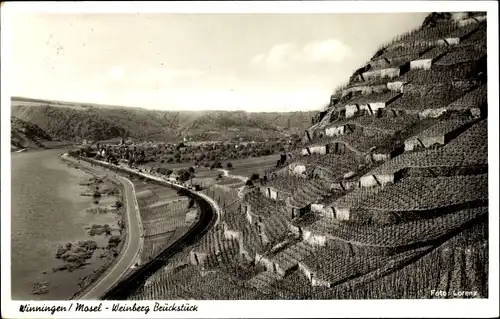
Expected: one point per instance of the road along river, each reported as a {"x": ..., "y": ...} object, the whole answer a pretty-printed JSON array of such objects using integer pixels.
[
  {"x": 134, "y": 241},
  {"x": 110, "y": 286}
]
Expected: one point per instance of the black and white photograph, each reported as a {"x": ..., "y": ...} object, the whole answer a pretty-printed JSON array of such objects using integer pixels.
[{"x": 169, "y": 156}]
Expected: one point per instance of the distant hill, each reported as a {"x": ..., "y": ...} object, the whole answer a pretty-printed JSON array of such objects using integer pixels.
[
  {"x": 26, "y": 135},
  {"x": 76, "y": 121}
]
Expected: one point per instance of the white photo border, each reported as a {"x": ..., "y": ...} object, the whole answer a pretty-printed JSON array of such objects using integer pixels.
[{"x": 269, "y": 309}]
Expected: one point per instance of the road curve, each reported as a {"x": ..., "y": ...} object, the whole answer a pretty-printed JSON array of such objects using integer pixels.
[
  {"x": 132, "y": 283},
  {"x": 209, "y": 216},
  {"x": 132, "y": 246}
]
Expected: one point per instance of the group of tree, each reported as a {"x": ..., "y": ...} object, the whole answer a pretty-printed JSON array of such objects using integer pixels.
[
  {"x": 164, "y": 171},
  {"x": 253, "y": 178},
  {"x": 185, "y": 174},
  {"x": 216, "y": 164}
]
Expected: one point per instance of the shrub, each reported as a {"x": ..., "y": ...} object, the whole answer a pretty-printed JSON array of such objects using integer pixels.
[
  {"x": 216, "y": 164},
  {"x": 436, "y": 17},
  {"x": 40, "y": 288},
  {"x": 114, "y": 240},
  {"x": 184, "y": 175}
]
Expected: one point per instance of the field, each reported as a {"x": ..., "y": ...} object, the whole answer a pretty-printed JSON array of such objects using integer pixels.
[
  {"x": 467, "y": 150},
  {"x": 459, "y": 260},
  {"x": 244, "y": 167},
  {"x": 420, "y": 194},
  {"x": 435, "y": 98},
  {"x": 388, "y": 125},
  {"x": 165, "y": 216}
]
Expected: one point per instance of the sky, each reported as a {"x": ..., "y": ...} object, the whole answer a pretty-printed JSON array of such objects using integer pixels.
[{"x": 168, "y": 61}]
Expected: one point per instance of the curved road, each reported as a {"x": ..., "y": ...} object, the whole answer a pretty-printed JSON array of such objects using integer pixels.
[
  {"x": 207, "y": 219},
  {"x": 133, "y": 244},
  {"x": 112, "y": 283}
]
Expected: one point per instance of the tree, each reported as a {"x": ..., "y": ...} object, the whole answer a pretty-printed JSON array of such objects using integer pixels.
[
  {"x": 216, "y": 164},
  {"x": 229, "y": 165},
  {"x": 191, "y": 170},
  {"x": 278, "y": 163},
  {"x": 435, "y": 17},
  {"x": 184, "y": 175},
  {"x": 164, "y": 171},
  {"x": 180, "y": 145},
  {"x": 249, "y": 183},
  {"x": 107, "y": 229},
  {"x": 254, "y": 177}
]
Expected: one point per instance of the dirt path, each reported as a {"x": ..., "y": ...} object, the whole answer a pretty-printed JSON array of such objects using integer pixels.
[{"x": 241, "y": 178}]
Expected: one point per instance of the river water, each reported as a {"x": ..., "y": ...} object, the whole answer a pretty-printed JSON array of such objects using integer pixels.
[{"x": 47, "y": 210}]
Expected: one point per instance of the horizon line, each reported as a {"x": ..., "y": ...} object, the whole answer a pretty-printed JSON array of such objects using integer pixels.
[{"x": 13, "y": 97}]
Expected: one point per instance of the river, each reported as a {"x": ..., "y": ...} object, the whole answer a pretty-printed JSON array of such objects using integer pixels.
[{"x": 48, "y": 211}]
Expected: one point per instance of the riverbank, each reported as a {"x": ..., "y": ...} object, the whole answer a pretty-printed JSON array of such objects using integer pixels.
[
  {"x": 48, "y": 145},
  {"x": 56, "y": 249},
  {"x": 115, "y": 242}
]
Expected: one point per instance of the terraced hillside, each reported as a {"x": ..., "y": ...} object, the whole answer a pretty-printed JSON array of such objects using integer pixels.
[
  {"x": 165, "y": 217},
  {"x": 387, "y": 198}
]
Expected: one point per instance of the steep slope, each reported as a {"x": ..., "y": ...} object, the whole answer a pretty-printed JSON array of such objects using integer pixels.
[
  {"x": 26, "y": 135},
  {"x": 404, "y": 144},
  {"x": 84, "y": 121},
  {"x": 387, "y": 197}
]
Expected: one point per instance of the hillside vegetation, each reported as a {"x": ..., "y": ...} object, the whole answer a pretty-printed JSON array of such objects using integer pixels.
[
  {"x": 85, "y": 121},
  {"x": 24, "y": 134},
  {"x": 386, "y": 198}
]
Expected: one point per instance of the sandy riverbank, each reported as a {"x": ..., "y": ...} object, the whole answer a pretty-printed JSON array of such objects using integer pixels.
[
  {"x": 47, "y": 213},
  {"x": 114, "y": 235},
  {"x": 83, "y": 259}
]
